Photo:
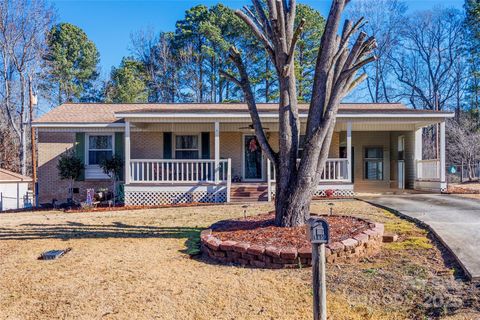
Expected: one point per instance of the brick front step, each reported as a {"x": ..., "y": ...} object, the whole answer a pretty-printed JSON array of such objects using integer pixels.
[
  {"x": 248, "y": 193},
  {"x": 242, "y": 199},
  {"x": 249, "y": 188}
]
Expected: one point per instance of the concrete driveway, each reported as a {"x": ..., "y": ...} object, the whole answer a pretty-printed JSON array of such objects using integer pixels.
[{"x": 455, "y": 220}]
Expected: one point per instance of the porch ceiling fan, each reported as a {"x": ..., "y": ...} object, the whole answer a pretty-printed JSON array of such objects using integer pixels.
[{"x": 250, "y": 127}]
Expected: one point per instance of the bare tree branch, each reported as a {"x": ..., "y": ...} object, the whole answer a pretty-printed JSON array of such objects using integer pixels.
[
  {"x": 230, "y": 77},
  {"x": 261, "y": 13},
  {"x": 258, "y": 33},
  {"x": 244, "y": 83},
  {"x": 291, "y": 53}
]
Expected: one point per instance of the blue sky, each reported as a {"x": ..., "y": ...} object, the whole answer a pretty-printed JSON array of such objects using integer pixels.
[{"x": 109, "y": 23}]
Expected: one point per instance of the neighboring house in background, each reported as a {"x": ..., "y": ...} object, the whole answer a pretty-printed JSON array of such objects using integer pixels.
[
  {"x": 176, "y": 153},
  {"x": 13, "y": 190}
]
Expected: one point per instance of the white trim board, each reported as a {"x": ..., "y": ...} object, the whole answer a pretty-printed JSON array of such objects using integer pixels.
[
  {"x": 217, "y": 115},
  {"x": 223, "y": 117}
]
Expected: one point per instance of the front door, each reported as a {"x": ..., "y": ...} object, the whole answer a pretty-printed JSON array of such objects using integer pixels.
[{"x": 252, "y": 159}]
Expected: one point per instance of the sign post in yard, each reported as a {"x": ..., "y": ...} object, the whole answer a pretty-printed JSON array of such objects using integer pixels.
[{"x": 318, "y": 234}]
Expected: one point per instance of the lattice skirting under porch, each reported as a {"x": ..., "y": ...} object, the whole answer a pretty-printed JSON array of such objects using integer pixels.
[
  {"x": 337, "y": 193},
  {"x": 139, "y": 197},
  {"x": 342, "y": 191}
]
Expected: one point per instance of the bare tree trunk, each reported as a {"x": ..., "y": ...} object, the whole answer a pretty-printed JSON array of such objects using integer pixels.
[
  {"x": 23, "y": 138},
  {"x": 200, "y": 80},
  {"x": 267, "y": 80},
  {"x": 288, "y": 212},
  {"x": 213, "y": 89},
  {"x": 227, "y": 90}
]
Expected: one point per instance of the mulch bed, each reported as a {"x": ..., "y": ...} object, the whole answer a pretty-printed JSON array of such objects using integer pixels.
[{"x": 260, "y": 230}]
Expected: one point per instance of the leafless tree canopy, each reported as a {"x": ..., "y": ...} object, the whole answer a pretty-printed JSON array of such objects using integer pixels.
[
  {"x": 463, "y": 141},
  {"x": 23, "y": 26},
  {"x": 427, "y": 65},
  {"x": 385, "y": 19}
]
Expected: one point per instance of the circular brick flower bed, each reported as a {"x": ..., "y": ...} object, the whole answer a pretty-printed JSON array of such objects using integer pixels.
[{"x": 257, "y": 242}]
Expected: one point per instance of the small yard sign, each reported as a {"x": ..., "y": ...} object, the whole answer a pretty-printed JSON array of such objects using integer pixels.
[
  {"x": 90, "y": 195},
  {"x": 53, "y": 254},
  {"x": 318, "y": 233}
]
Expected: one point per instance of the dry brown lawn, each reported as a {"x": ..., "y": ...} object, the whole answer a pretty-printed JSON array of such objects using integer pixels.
[{"x": 133, "y": 265}]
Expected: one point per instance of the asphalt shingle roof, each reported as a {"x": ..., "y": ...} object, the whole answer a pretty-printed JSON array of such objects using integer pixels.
[
  {"x": 9, "y": 176},
  {"x": 105, "y": 112}
]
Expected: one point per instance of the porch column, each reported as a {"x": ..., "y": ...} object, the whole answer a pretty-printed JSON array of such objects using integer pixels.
[
  {"x": 127, "y": 152},
  {"x": 418, "y": 152},
  {"x": 442, "y": 154},
  {"x": 349, "y": 151},
  {"x": 217, "y": 152}
]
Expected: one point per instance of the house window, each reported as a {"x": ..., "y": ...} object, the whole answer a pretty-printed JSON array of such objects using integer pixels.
[
  {"x": 373, "y": 163},
  {"x": 187, "y": 147},
  {"x": 100, "y": 147}
]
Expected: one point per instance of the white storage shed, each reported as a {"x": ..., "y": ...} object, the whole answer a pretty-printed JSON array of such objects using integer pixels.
[{"x": 13, "y": 190}]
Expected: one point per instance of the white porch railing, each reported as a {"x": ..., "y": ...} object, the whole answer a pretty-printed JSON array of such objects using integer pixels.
[
  {"x": 428, "y": 169},
  {"x": 178, "y": 171},
  {"x": 335, "y": 170}
]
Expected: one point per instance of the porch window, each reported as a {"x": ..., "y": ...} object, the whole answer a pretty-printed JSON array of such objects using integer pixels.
[
  {"x": 373, "y": 163},
  {"x": 187, "y": 147},
  {"x": 100, "y": 147}
]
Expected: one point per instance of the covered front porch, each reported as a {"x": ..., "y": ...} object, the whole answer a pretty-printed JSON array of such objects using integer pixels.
[
  {"x": 200, "y": 162},
  {"x": 194, "y": 159}
]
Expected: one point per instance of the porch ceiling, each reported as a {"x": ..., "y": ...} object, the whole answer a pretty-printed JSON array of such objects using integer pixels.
[{"x": 243, "y": 126}]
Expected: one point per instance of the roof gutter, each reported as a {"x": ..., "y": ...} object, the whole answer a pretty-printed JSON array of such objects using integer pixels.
[
  {"x": 274, "y": 115},
  {"x": 77, "y": 124},
  {"x": 212, "y": 116}
]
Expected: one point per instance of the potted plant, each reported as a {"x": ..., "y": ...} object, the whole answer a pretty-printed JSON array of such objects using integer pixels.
[
  {"x": 70, "y": 168},
  {"x": 113, "y": 168}
]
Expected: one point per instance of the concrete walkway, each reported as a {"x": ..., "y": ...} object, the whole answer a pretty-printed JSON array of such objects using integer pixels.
[{"x": 455, "y": 220}]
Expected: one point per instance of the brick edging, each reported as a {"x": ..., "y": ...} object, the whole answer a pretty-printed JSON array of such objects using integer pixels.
[{"x": 363, "y": 244}]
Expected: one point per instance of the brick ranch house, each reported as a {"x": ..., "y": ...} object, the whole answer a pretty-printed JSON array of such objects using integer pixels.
[{"x": 177, "y": 153}]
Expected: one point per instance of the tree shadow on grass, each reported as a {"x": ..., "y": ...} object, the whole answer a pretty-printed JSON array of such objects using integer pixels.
[{"x": 75, "y": 230}]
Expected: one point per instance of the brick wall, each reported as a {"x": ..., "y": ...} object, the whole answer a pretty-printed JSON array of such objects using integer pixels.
[
  {"x": 334, "y": 151},
  {"x": 146, "y": 145},
  {"x": 231, "y": 147},
  {"x": 50, "y": 146}
]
